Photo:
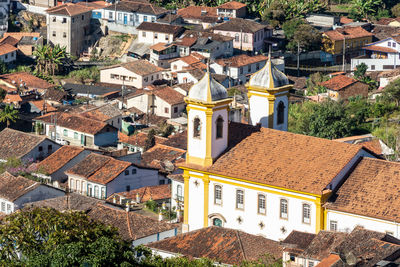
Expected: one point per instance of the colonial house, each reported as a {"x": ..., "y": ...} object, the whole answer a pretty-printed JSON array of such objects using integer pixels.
[
  {"x": 108, "y": 113},
  {"x": 162, "y": 53},
  {"x": 8, "y": 53},
  {"x": 53, "y": 167},
  {"x": 101, "y": 176},
  {"x": 224, "y": 246},
  {"x": 133, "y": 227},
  {"x": 138, "y": 73},
  {"x": 25, "y": 42},
  {"x": 136, "y": 142},
  {"x": 153, "y": 33},
  {"x": 366, "y": 198},
  {"x": 15, "y": 192},
  {"x": 232, "y": 9},
  {"x": 77, "y": 130},
  {"x": 126, "y": 16},
  {"x": 98, "y": 90},
  {"x": 24, "y": 83},
  {"x": 248, "y": 35},
  {"x": 239, "y": 67},
  {"x": 177, "y": 193},
  {"x": 25, "y": 146},
  {"x": 161, "y": 194},
  {"x": 162, "y": 101},
  {"x": 341, "y": 87},
  {"x": 280, "y": 181},
  {"x": 69, "y": 25},
  {"x": 352, "y": 39},
  {"x": 194, "y": 60},
  {"x": 379, "y": 56},
  {"x": 201, "y": 15},
  {"x": 39, "y": 107},
  {"x": 164, "y": 158},
  {"x": 194, "y": 75}
]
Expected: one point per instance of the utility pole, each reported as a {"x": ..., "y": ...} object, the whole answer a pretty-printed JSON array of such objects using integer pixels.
[
  {"x": 298, "y": 58},
  {"x": 344, "y": 54}
]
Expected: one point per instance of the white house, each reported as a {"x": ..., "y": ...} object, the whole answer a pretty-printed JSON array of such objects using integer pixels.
[
  {"x": 239, "y": 67},
  {"x": 15, "y": 192},
  {"x": 177, "y": 191},
  {"x": 77, "y": 130},
  {"x": 367, "y": 198},
  {"x": 100, "y": 176},
  {"x": 162, "y": 101},
  {"x": 53, "y": 167},
  {"x": 264, "y": 181},
  {"x": 138, "y": 73},
  {"x": 153, "y": 33},
  {"x": 162, "y": 53},
  {"x": 194, "y": 60},
  {"x": 8, "y": 53},
  {"x": 379, "y": 56},
  {"x": 25, "y": 146},
  {"x": 108, "y": 113}
]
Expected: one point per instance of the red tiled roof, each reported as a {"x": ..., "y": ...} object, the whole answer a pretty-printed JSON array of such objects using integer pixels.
[
  {"x": 345, "y": 20},
  {"x": 241, "y": 60},
  {"x": 157, "y": 192},
  {"x": 348, "y": 33},
  {"x": 9, "y": 40},
  {"x": 7, "y": 48},
  {"x": 40, "y": 105},
  {"x": 193, "y": 12},
  {"x": 19, "y": 35},
  {"x": 338, "y": 82},
  {"x": 140, "y": 67},
  {"x": 12, "y": 98},
  {"x": 71, "y": 9},
  {"x": 374, "y": 146},
  {"x": 186, "y": 41},
  {"x": 307, "y": 164},
  {"x": 138, "y": 139},
  {"x": 232, "y": 5},
  {"x": 159, "y": 155},
  {"x": 224, "y": 245},
  {"x": 31, "y": 81},
  {"x": 99, "y": 168},
  {"x": 169, "y": 95},
  {"x": 58, "y": 159},
  {"x": 380, "y": 49},
  {"x": 12, "y": 187},
  {"x": 75, "y": 122},
  {"x": 362, "y": 192},
  {"x": 329, "y": 261}
]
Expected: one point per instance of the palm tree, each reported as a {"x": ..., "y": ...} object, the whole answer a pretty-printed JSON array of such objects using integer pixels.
[
  {"x": 49, "y": 59},
  {"x": 41, "y": 55},
  {"x": 9, "y": 114},
  {"x": 57, "y": 55}
]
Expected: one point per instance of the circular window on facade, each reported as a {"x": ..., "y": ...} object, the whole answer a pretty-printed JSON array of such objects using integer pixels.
[{"x": 217, "y": 222}]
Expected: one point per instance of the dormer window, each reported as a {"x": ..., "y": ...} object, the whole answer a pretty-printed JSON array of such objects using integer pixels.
[
  {"x": 196, "y": 128},
  {"x": 220, "y": 127}
]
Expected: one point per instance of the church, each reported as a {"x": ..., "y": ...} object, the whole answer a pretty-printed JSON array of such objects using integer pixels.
[{"x": 258, "y": 177}]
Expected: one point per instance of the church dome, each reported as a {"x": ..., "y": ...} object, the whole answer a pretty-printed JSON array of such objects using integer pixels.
[
  {"x": 268, "y": 77},
  {"x": 207, "y": 90}
]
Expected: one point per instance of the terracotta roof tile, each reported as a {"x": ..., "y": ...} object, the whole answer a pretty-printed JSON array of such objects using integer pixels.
[
  {"x": 323, "y": 244},
  {"x": 141, "y": 7},
  {"x": 140, "y": 67},
  {"x": 362, "y": 194},
  {"x": 329, "y": 261},
  {"x": 306, "y": 164},
  {"x": 227, "y": 246},
  {"x": 193, "y": 12},
  {"x": 157, "y": 192},
  {"x": 297, "y": 241},
  {"x": 75, "y": 122},
  {"x": 338, "y": 82},
  {"x": 169, "y": 95},
  {"x": 99, "y": 168},
  {"x": 70, "y": 9},
  {"x": 12, "y": 98},
  {"x": 30, "y": 80},
  {"x": 72, "y": 201},
  {"x": 241, "y": 60},
  {"x": 12, "y": 187},
  {"x": 186, "y": 41},
  {"x": 58, "y": 159},
  {"x": 17, "y": 144},
  {"x": 380, "y": 49},
  {"x": 41, "y": 105},
  {"x": 177, "y": 140},
  {"x": 345, "y": 20},
  {"x": 102, "y": 113},
  {"x": 9, "y": 40},
  {"x": 232, "y": 5},
  {"x": 159, "y": 27},
  {"x": 159, "y": 156},
  {"x": 348, "y": 33},
  {"x": 7, "y": 48},
  {"x": 19, "y": 35},
  {"x": 373, "y": 145},
  {"x": 138, "y": 139}
]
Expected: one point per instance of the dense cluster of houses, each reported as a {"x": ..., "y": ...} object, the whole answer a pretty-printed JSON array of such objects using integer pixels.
[{"x": 194, "y": 118}]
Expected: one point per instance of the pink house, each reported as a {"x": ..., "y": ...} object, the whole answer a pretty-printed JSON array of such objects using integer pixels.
[{"x": 248, "y": 35}]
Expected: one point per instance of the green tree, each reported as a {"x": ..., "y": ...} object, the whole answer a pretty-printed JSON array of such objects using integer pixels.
[
  {"x": 313, "y": 83},
  {"x": 360, "y": 71},
  {"x": 307, "y": 37},
  {"x": 289, "y": 27},
  {"x": 392, "y": 92},
  {"x": 46, "y": 237},
  {"x": 8, "y": 115},
  {"x": 3, "y": 67},
  {"x": 396, "y": 11},
  {"x": 49, "y": 59},
  {"x": 361, "y": 9},
  {"x": 166, "y": 129},
  {"x": 151, "y": 139}
]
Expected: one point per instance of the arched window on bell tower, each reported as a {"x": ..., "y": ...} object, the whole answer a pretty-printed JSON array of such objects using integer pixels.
[
  {"x": 281, "y": 113},
  {"x": 196, "y": 127},
  {"x": 220, "y": 127}
]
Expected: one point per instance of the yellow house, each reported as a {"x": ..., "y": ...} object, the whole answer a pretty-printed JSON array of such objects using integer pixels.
[{"x": 353, "y": 38}]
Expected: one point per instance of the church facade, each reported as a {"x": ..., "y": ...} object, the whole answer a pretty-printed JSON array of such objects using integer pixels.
[{"x": 257, "y": 178}]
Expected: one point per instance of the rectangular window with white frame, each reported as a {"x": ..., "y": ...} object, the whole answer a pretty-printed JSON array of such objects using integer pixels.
[
  {"x": 284, "y": 209},
  {"x": 333, "y": 226},
  {"x": 239, "y": 199},
  {"x": 262, "y": 204},
  {"x": 306, "y": 213},
  {"x": 218, "y": 194}
]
